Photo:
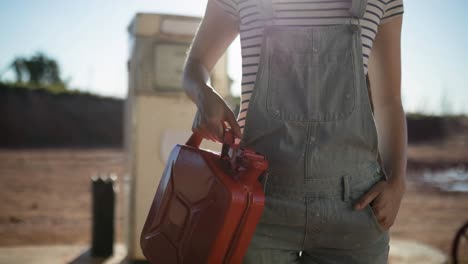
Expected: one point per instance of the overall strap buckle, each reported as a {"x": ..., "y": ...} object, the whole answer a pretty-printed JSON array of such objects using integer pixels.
[
  {"x": 354, "y": 23},
  {"x": 357, "y": 11}
]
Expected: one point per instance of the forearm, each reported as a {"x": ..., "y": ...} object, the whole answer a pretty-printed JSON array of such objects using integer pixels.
[
  {"x": 392, "y": 130},
  {"x": 194, "y": 80}
]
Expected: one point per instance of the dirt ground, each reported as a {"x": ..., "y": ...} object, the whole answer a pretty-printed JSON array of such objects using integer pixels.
[
  {"x": 46, "y": 194},
  {"x": 46, "y": 199}
]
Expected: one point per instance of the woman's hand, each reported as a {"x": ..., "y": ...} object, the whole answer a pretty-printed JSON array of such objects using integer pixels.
[
  {"x": 385, "y": 198},
  {"x": 212, "y": 112}
]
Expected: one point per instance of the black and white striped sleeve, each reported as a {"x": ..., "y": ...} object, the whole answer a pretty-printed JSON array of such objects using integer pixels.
[{"x": 393, "y": 9}]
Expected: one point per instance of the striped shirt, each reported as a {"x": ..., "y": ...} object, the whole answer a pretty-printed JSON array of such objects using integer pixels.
[{"x": 299, "y": 13}]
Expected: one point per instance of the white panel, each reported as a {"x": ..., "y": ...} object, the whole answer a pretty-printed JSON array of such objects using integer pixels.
[
  {"x": 169, "y": 138},
  {"x": 182, "y": 27}
]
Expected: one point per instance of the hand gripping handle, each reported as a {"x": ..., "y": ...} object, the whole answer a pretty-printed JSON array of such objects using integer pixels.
[{"x": 228, "y": 141}]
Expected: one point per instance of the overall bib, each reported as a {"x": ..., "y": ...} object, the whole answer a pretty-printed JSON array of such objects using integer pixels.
[{"x": 310, "y": 114}]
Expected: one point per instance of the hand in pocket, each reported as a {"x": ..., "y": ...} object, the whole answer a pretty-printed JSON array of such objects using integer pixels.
[{"x": 384, "y": 200}]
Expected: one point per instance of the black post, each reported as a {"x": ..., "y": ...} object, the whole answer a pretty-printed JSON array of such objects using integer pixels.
[{"x": 103, "y": 193}]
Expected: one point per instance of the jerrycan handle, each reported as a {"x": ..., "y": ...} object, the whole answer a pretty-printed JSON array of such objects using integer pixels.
[
  {"x": 228, "y": 140},
  {"x": 194, "y": 140}
]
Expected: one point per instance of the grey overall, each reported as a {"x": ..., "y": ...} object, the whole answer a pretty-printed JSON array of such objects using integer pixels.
[{"x": 310, "y": 115}]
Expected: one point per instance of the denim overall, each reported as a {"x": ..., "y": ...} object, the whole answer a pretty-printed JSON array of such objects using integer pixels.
[{"x": 310, "y": 114}]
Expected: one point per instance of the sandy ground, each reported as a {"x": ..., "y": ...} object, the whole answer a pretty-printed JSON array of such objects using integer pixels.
[
  {"x": 46, "y": 194},
  {"x": 46, "y": 199}
]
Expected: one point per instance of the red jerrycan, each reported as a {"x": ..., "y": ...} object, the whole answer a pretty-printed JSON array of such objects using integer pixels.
[{"x": 207, "y": 205}]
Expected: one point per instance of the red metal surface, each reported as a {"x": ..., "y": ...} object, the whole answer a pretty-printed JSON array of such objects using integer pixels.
[{"x": 206, "y": 206}]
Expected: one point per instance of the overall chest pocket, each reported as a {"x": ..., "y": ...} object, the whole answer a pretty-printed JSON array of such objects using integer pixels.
[{"x": 311, "y": 86}]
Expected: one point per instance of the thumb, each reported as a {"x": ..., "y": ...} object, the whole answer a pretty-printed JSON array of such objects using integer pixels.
[
  {"x": 233, "y": 124},
  {"x": 367, "y": 198}
]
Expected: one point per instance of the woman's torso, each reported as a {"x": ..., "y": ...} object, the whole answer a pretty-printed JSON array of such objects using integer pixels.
[{"x": 299, "y": 13}]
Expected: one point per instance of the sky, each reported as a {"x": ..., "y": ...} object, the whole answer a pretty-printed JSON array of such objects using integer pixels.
[{"x": 89, "y": 39}]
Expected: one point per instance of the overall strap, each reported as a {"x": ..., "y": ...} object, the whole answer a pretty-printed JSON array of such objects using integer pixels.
[
  {"x": 357, "y": 10},
  {"x": 266, "y": 11}
]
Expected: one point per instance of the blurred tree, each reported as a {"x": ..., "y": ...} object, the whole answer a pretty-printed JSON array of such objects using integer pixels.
[
  {"x": 18, "y": 66},
  {"x": 39, "y": 70}
]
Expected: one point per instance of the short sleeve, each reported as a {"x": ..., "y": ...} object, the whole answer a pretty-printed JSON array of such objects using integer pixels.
[
  {"x": 230, "y": 7},
  {"x": 393, "y": 9}
]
